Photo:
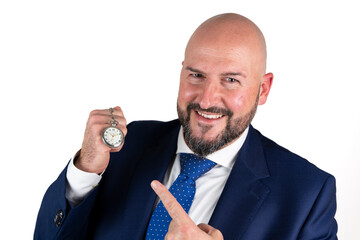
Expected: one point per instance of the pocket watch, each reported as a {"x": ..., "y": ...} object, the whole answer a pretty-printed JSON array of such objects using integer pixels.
[{"x": 112, "y": 136}]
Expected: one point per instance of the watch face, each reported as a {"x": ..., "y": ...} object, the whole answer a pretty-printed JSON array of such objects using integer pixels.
[{"x": 112, "y": 137}]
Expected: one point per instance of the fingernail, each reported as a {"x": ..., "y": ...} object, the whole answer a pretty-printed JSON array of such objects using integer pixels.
[{"x": 153, "y": 185}]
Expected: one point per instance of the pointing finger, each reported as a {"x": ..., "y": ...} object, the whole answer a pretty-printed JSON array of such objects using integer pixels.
[{"x": 174, "y": 209}]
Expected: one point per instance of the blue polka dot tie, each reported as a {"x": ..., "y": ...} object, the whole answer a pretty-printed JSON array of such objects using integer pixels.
[{"x": 183, "y": 189}]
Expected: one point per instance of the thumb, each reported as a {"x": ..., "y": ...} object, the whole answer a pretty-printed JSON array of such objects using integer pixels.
[{"x": 209, "y": 230}]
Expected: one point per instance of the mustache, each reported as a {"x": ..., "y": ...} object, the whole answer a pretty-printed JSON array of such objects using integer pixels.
[{"x": 217, "y": 110}]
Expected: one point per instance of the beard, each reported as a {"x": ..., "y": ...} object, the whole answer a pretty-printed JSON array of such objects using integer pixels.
[{"x": 233, "y": 129}]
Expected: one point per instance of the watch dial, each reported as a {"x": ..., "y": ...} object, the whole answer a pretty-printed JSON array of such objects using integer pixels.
[{"x": 113, "y": 137}]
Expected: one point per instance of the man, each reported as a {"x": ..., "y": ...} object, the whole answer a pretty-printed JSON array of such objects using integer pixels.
[{"x": 254, "y": 189}]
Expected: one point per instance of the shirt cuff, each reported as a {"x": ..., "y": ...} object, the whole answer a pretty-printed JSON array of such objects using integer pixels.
[{"x": 79, "y": 183}]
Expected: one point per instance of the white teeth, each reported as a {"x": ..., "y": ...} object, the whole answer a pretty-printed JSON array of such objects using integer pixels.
[{"x": 209, "y": 116}]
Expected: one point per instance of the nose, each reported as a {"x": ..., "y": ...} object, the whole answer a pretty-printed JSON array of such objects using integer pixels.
[{"x": 210, "y": 94}]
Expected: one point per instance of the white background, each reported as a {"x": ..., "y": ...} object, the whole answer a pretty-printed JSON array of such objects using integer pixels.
[{"x": 61, "y": 59}]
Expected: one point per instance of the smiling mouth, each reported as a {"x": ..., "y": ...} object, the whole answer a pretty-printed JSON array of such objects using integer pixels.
[{"x": 209, "y": 116}]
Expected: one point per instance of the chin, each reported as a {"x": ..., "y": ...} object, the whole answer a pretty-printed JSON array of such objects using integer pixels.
[{"x": 206, "y": 132}]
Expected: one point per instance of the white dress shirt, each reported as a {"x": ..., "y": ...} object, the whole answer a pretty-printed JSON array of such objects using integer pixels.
[{"x": 208, "y": 187}]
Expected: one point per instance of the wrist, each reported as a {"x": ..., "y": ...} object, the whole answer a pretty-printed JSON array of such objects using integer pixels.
[{"x": 81, "y": 163}]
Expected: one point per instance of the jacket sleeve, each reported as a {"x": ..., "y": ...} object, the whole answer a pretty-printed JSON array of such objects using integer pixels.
[
  {"x": 57, "y": 219},
  {"x": 320, "y": 223}
]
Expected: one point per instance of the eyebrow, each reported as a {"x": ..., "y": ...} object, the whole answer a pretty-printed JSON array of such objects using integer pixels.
[
  {"x": 232, "y": 74},
  {"x": 194, "y": 70},
  {"x": 222, "y": 74}
]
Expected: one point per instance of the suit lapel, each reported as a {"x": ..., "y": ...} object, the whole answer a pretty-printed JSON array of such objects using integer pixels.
[
  {"x": 141, "y": 197},
  {"x": 243, "y": 193}
]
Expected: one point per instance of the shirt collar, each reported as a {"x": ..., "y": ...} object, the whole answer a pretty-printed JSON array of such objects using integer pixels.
[{"x": 225, "y": 157}]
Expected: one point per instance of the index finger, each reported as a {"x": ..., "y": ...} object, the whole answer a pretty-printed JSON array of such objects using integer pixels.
[
  {"x": 172, "y": 206},
  {"x": 118, "y": 110}
]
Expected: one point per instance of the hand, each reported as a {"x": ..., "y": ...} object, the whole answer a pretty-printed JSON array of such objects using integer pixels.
[
  {"x": 94, "y": 155},
  {"x": 181, "y": 226}
]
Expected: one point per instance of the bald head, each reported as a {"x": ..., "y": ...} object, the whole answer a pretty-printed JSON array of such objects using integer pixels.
[
  {"x": 228, "y": 32},
  {"x": 222, "y": 82}
]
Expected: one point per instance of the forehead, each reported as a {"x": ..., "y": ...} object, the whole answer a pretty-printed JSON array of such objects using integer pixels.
[{"x": 220, "y": 58}]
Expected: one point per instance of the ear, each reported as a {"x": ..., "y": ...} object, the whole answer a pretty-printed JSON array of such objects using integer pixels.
[{"x": 265, "y": 88}]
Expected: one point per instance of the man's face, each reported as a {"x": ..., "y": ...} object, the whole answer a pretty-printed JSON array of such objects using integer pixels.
[{"x": 219, "y": 91}]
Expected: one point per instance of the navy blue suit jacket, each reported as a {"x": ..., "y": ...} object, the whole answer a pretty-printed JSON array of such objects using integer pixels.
[{"x": 271, "y": 193}]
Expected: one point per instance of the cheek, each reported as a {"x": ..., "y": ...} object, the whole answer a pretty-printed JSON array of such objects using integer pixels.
[
  {"x": 187, "y": 94},
  {"x": 238, "y": 102},
  {"x": 244, "y": 100}
]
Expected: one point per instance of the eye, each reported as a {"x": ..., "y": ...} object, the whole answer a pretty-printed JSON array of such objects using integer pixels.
[
  {"x": 232, "y": 80},
  {"x": 231, "y": 83},
  {"x": 197, "y": 75}
]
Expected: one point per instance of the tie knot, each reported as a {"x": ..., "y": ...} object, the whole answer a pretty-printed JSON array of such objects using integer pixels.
[{"x": 194, "y": 166}]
